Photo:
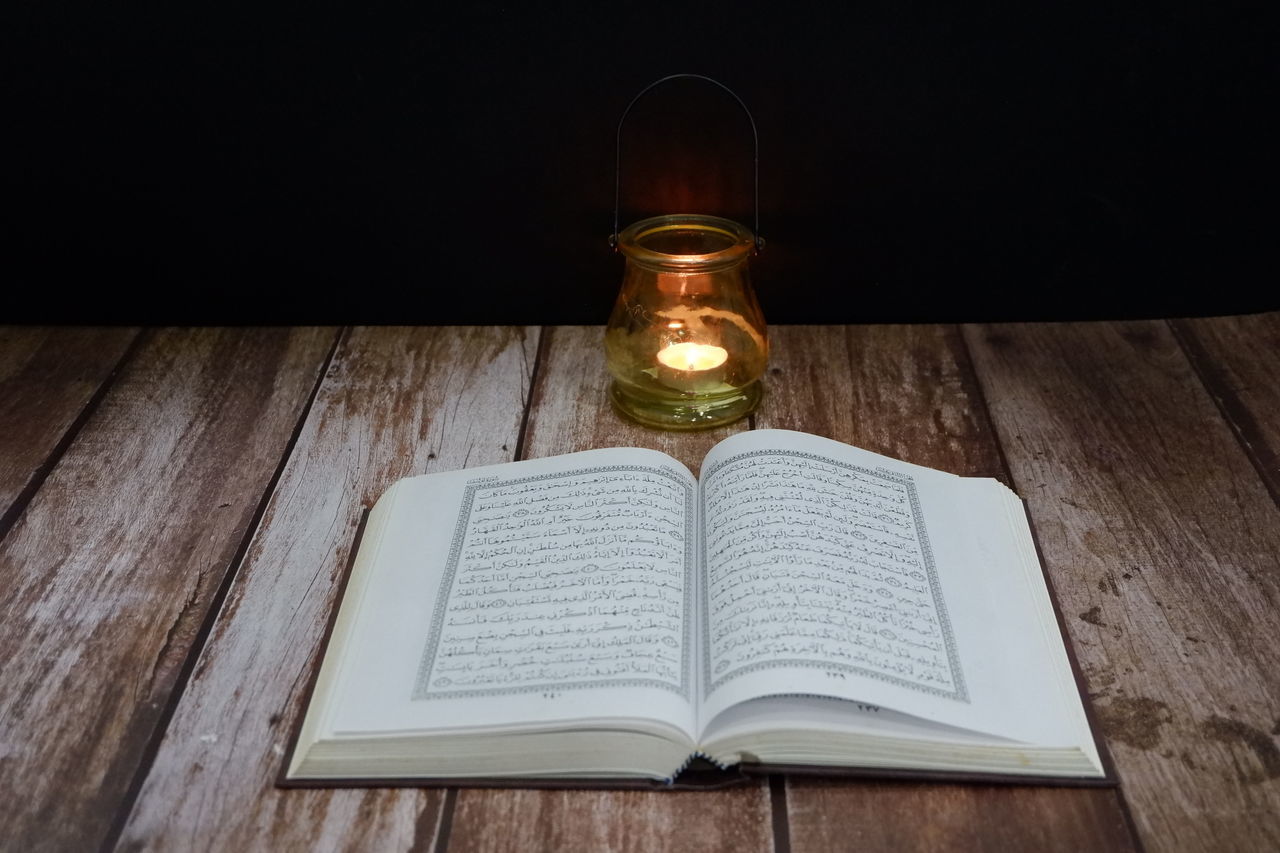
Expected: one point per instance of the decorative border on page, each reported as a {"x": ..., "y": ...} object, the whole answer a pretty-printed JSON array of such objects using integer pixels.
[
  {"x": 960, "y": 693},
  {"x": 421, "y": 690}
]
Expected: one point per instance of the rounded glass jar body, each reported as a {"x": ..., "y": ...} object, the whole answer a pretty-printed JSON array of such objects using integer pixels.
[{"x": 686, "y": 343}]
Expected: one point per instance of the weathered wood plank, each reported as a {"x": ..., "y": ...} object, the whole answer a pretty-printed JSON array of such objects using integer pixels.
[
  {"x": 1164, "y": 546},
  {"x": 908, "y": 392},
  {"x": 571, "y": 412},
  {"x": 395, "y": 403},
  {"x": 1239, "y": 360},
  {"x": 110, "y": 572},
  {"x": 47, "y": 377}
]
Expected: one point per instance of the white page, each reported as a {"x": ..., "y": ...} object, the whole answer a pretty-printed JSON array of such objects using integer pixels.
[
  {"x": 962, "y": 637},
  {"x": 568, "y": 596}
]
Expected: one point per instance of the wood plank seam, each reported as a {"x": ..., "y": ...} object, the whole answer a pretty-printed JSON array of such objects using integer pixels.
[
  {"x": 528, "y": 400},
  {"x": 1229, "y": 405},
  {"x": 968, "y": 366},
  {"x": 778, "y": 814},
  {"x": 445, "y": 827},
  {"x": 42, "y": 472},
  {"x": 214, "y": 608}
]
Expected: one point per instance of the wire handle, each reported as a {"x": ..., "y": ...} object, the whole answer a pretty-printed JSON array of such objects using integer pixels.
[{"x": 755, "y": 139}]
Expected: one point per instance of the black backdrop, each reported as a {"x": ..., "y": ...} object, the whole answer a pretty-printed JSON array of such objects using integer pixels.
[{"x": 360, "y": 162}]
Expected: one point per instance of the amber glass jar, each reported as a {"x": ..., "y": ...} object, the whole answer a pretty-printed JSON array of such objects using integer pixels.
[{"x": 686, "y": 342}]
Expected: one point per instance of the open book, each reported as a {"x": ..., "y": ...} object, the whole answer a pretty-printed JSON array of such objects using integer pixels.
[{"x": 606, "y": 616}]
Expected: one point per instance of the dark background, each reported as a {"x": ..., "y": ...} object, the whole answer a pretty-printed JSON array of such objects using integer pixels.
[{"x": 363, "y": 162}]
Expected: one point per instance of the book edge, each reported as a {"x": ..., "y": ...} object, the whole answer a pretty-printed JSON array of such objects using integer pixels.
[
  {"x": 1086, "y": 702},
  {"x": 702, "y": 779},
  {"x": 282, "y": 779}
]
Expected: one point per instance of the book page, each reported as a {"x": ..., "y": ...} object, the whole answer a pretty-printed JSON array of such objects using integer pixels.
[
  {"x": 823, "y": 564},
  {"x": 832, "y": 571},
  {"x": 528, "y": 594}
]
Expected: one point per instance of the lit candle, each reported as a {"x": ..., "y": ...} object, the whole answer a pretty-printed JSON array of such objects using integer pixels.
[{"x": 691, "y": 357}]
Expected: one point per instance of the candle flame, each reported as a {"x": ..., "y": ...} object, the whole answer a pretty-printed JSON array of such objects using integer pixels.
[{"x": 689, "y": 356}]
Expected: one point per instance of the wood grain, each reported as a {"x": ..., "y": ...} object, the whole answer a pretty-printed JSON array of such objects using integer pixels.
[
  {"x": 626, "y": 821},
  {"x": 112, "y": 568},
  {"x": 904, "y": 391},
  {"x": 571, "y": 412},
  {"x": 47, "y": 378},
  {"x": 908, "y": 392},
  {"x": 395, "y": 403},
  {"x": 1164, "y": 546},
  {"x": 1239, "y": 360},
  {"x": 828, "y": 816}
]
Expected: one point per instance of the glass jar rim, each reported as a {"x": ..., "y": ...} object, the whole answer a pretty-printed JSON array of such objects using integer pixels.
[{"x": 739, "y": 242}]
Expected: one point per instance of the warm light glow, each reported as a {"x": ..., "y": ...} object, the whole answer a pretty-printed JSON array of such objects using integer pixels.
[{"x": 693, "y": 356}]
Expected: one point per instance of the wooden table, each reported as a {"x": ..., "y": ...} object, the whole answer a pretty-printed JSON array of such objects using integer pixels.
[{"x": 177, "y": 505}]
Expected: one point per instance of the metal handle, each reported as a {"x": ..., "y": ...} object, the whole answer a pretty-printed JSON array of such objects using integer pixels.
[{"x": 617, "y": 175}]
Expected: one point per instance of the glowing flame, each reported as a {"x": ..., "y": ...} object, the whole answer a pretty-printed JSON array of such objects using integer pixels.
[{"x": 693, "y": 356}]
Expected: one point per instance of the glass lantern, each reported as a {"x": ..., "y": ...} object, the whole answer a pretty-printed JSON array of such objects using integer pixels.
[{"x": 686, "y": 342}]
